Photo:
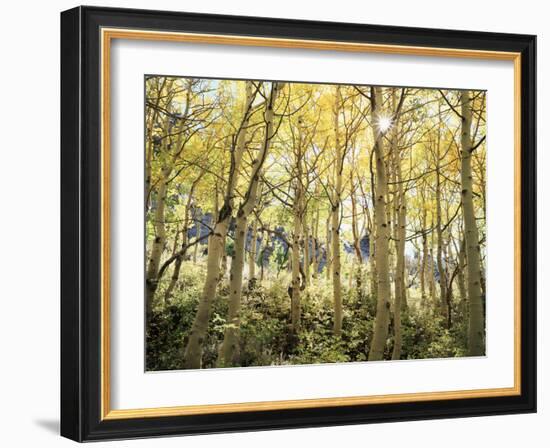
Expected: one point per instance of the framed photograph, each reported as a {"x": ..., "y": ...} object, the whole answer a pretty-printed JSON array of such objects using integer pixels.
[{"x": 273, "y": 223}]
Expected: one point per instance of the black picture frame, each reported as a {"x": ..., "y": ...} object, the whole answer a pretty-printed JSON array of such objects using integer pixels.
[{"x": 81, "y": 224}]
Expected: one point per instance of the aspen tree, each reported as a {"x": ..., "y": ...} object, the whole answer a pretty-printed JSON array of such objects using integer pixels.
[
  {"x": 476, "y": 345},
  {"x": 252, "y": 253},
  {"x": 229, "y": 351},
  {"x": 335, "y": 218},
  {"x": 193, "y": 350},
  {"x": 381, "y": 322},
  {"x": 400, "y": 229}
]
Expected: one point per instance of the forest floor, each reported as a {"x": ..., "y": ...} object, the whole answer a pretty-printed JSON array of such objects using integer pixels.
[{"x": 266, "y": 338}]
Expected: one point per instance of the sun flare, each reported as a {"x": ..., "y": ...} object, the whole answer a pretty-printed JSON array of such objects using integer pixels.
[{"x": 384, "y": 123}]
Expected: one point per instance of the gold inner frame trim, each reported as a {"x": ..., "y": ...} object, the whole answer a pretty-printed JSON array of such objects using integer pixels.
[{"x": 107, "y": 35}]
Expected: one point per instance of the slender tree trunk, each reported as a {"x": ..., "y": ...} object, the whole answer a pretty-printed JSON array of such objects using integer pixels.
[
  {"x": 265, "y": 246},
  {"x": 447, "y": 252},
  {"x": 295, "y": 305},
  {"x": 336, "y": 262},
  {"x": 439, "y": 233},
  {"x": 476, "y": 345},
  {"x": 354, "y": 227},
  {"x": 174, "y": 278},
  {"x": 307, "y": 258},
  {"x": 400, "y": 230},
  {"x": 461, "y": 277},
  {"x": 151, "y": 280},
  {"x": 336, "y": 268},
  {"x": 382, "y": 241},
  {"x": 356, "y": 238},
  {"x": 372, "y": 224},
  {"x": 372, "y": 262},
  {"x": 229, "y": 350},
  {"x": 198, "y": 236},
  {"x": 296, "y": 242},
  {"x": 328, "y": 264},
  {"x": 431, "y": 279},
  {"x": 315, "y": 245},
  {"x": 423, "y": 264},
  {"x": 223, "y": 266},
  {"x": 252, "y": 253},
  {"x": 193, "y": 350},
  {"x": 176, "y": 239}
]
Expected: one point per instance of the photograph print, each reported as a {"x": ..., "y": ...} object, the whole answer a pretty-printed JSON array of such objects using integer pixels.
[{"x": 292, "y": 223}]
